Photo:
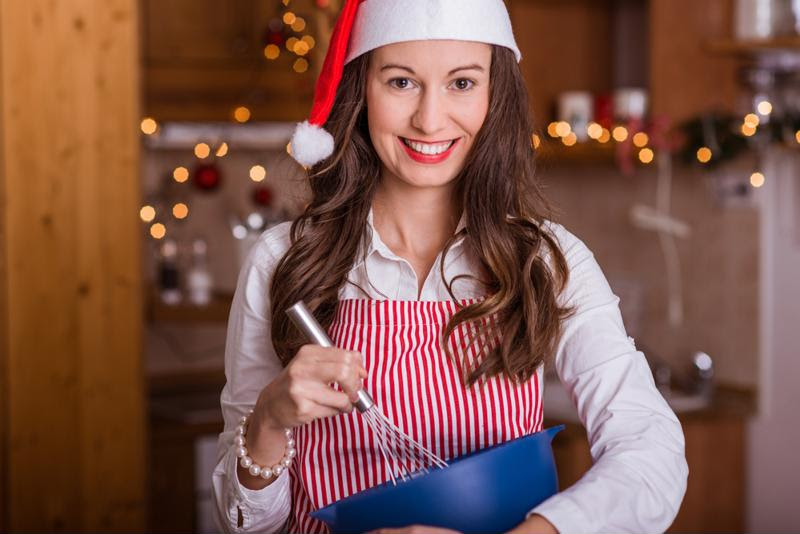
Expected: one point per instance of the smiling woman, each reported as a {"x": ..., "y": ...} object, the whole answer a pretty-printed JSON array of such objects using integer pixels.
[{"x": 428, "y": 253}]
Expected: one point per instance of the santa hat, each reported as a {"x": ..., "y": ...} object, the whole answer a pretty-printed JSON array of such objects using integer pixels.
[{"x": 364, "y": 25}]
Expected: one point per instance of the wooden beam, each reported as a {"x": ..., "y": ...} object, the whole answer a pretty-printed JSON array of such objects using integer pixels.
[{"x": 73, "y": 436}]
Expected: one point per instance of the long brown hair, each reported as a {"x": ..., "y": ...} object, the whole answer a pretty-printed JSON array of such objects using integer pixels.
[{"x": 519, "y": 322}]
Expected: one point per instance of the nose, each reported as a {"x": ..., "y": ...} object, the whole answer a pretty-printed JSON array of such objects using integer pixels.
[{"x": 431, "y": 113}]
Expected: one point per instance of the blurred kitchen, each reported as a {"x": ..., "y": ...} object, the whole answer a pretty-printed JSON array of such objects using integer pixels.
[{"x": 143, "y": 148}]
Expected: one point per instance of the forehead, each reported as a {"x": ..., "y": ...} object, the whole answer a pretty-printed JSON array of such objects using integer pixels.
[{"x": 434, "y": 55}]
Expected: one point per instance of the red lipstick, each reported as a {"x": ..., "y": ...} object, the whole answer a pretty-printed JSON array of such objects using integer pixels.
[{"x": 428, "y": 158}]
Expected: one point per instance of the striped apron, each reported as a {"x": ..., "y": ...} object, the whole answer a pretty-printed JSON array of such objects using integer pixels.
[{"x": 418, "y": 387}]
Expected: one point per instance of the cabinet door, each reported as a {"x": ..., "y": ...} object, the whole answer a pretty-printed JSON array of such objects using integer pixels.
[
  {"x": 714, "y": 500},
  {"x": 203, "y": 58}
]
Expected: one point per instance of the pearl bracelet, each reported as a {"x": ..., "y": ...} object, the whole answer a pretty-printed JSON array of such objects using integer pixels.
[{"x": 244, "y": 458}]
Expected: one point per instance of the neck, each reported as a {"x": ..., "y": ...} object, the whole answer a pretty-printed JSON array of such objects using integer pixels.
[{"x": 414, "y": 219}]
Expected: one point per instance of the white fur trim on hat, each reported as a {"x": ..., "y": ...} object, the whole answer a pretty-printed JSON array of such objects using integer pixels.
[
  {"x": 382, "y": 22},
  {"x": 311, "y": 144}
]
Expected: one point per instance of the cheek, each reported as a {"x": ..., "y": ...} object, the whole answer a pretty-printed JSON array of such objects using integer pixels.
[
  {"x": 383, "y": 118},
  {"x": 475, "y": 115}
]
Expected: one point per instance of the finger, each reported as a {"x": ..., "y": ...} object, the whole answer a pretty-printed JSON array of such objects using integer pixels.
[
  {"x": 347, "y": 376},
  {"x": 322, "y": 395},
  {"x": 334, "y": 355}
]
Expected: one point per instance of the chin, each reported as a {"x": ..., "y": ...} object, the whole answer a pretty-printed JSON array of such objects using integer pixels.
[{"x": 428, "y": 179}]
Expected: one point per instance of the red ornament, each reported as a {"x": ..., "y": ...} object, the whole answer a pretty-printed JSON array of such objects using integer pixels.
[
  {"x": 206, "y": 177},
  {"x": 262, "y": 196},
  {"x": 604, "y": 110}
]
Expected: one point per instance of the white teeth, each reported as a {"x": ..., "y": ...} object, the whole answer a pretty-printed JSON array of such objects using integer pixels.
[{"x": 430, "y": 150}]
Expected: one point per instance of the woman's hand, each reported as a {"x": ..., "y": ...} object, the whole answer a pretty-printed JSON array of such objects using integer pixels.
[
  {"x": 414, "y": 529},
  {"x": 535, "y": 524},
  {"x": 299, "y": 395},
  {"x": 302, "y": 392}
]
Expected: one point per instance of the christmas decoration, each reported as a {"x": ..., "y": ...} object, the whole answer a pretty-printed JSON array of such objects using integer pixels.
[{"x": 206, "y": 177}]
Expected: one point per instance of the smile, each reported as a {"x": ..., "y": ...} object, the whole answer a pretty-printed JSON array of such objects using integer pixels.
[{"x": 428, "y": 152}]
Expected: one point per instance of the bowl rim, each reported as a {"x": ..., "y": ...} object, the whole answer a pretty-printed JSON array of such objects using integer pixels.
[{"x": 416, "y": 477}]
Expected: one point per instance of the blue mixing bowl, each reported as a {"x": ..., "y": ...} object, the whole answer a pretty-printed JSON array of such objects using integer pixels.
[{"x": 490, "y": 490}]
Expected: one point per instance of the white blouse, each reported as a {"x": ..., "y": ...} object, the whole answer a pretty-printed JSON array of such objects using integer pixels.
[{"x": 639, "y": 474}]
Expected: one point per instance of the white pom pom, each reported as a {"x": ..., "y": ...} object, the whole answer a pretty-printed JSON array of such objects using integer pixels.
[{"x": 310, "y": 144}]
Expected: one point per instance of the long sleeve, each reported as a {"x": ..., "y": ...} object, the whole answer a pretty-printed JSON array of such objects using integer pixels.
[
  {"x": 639, "y": 475},
  {"x": 250, "y": 364}
]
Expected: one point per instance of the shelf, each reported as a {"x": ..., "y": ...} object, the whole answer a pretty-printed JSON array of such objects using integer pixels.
[
  {"x": 588, "y": 152},
  {"x": 216, "y": 311},
  {"x": 777, "y": 44}
]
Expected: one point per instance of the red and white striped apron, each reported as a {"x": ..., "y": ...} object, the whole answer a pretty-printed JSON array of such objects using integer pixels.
[{"x": 418, "y": 387}]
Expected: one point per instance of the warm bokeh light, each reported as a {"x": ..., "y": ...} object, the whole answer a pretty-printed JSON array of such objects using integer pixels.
[
  {"x": 551, "y": 129},
  {"x": 180, "y": 210},
  {"x": 751, "y": 119},
  {"x": 646, "y": 155},
  {"x": 535, "y": 141},
  {"x": 764, "y": 107},
  {"x": 748, "y": 130},
  {"x": 640, "y": 139},
  {"x": 147, "y": 213},
  {"x": 307, "y": 39},
  {"x": 704, "y": 154},
  {"x": 289, "y": 148},
  {"x": 180, "y": 174},
  {"x": 605, "y": 137},
  {"x": 149, "y": 126},
  {"x": 291, "y": 42},
  {"x": 299, "y": 24},
  {"x": 594, "y": 130},
  {"x": 241, "y": 114},
  {"x": 158, "y": 230},
  {"x": 569, "y": 139},
  {"x": 272, "y": 51},
  {"x": 301, "y": 65},
  {"x": 289, "y": 18},
  {"x": 797, "y": 136},
  {"x": 301, "y": 48},
  {"x": 222, "y": 150},
  {"x": 563, "y": 129},
  {"x": 756, "y": 179},
  {"x": 620, "y": 133},
  {"x": 257, "y": 173},
  {"x": 202, "y": 150}
]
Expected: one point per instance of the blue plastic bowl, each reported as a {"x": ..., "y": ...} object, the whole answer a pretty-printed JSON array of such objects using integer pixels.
[{"x": 490, "y": 490}]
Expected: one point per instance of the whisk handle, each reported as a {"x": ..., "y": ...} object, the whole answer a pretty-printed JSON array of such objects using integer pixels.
[
  {"x": 305, "y": 321},
  {"x": 302, "y": 319}
]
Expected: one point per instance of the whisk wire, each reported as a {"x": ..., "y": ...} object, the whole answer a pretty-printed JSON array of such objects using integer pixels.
[{"x": 403, "y": 454}]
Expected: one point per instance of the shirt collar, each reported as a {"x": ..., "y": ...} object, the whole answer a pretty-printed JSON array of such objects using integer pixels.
[{"x": 372, "y": 241}]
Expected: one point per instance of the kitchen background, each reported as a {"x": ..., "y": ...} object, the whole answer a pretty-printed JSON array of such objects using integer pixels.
[{"x": 143, "y": 147}]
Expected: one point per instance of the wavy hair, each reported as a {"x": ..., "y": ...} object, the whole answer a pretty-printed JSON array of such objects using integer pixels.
[{"x": 518, "y": 324}]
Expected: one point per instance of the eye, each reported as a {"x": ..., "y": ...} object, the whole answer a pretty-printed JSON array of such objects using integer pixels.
[
  {"x": 399, "y": 83},
  {"x": 464, "y": 84}
]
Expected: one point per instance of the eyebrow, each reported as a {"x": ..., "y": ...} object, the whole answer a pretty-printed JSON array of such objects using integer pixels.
[{"x": 474, "y": 66}]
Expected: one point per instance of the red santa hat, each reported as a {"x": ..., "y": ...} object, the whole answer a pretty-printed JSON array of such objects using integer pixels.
[{"x": 364, "y": 25}]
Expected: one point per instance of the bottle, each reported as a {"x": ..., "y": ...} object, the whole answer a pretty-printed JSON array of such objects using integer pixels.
[
  {"x": 168, "y": 274},
  {"x": 199, "y": 282}
]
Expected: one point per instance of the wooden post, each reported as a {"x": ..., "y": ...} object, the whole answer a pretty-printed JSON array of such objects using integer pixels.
[{"x": 72, "y": 422}]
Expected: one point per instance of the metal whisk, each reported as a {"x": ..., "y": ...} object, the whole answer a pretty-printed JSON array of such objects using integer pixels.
[{"x": 402, "y": 453}]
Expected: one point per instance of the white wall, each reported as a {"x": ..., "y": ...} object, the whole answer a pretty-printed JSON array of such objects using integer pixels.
[{"x": 773, "y": 470}]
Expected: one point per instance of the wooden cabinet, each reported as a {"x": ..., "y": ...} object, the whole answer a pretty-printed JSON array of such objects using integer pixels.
[
  {"x": 203, "y": 58},
  {"x": 597, "y": 45},
  {"x": 182, "y": 409},
  {"x": 715, "y": 496}
]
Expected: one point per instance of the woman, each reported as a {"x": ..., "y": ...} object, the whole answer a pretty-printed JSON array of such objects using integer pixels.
[{"x": 426, "y": 253}]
